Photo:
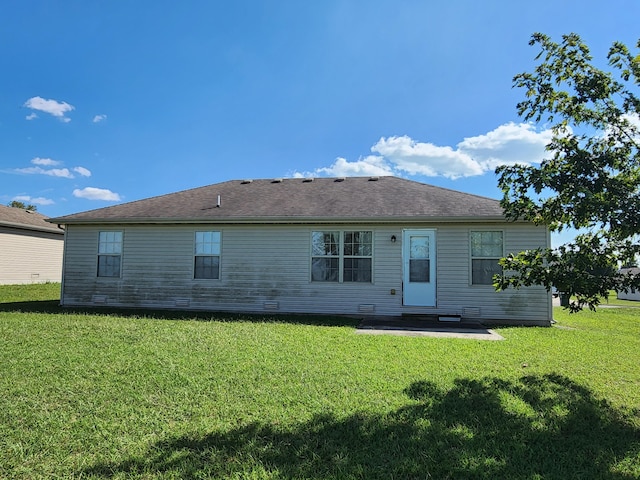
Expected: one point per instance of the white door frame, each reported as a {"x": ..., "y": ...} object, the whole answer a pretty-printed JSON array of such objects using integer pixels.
[{"x": 419, "y": 284}]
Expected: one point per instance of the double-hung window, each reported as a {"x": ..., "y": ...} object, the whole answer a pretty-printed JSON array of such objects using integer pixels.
[
  {"x": 486, "y": 250},
  {"x": 207, "y": 255},
  {"x": 109, "y": 254},
  {"x": 325, "y": 256},
  {"x": 341, "y": 256}
]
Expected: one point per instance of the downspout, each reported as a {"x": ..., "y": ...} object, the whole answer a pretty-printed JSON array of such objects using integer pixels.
[{"x": 64, "y": 261}]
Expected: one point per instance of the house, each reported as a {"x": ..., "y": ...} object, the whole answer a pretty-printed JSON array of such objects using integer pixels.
[
  {"x": 631, "y": 294},
  {"x": 30, "y": 247},
  {"x": 357, "y": 246}
]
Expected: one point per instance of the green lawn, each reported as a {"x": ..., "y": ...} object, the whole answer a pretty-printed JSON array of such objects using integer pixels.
[{"x": 96, "y": 394}]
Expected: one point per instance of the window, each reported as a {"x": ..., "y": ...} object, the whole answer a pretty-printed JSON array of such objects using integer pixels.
[
  {"x": 341, "y": 256},
  {"x": 325, "y": 256},
  {"x": 207, "y": 255},
  {"x": 486, "y": 250},
  {"x": 109, "y": 254}
]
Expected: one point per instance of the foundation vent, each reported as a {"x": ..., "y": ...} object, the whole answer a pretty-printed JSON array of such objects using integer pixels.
[
  {"x": 182, "y": 302},
  {"x": 271, "y": 305},
  {"x": 99, "y": 299},
  {"x": 449, "y": 318},
  {"x": 366, "y": 308},
  {"x": 471, "y": 312}
]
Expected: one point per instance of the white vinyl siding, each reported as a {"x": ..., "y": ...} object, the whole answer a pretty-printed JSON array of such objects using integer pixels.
[
  {"x": 269, "y": 266},
  {"x": 30, "y": 256},
  {"x": 456, "y": 294}
]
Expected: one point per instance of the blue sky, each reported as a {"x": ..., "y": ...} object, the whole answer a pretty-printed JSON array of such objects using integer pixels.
[{"x": 104, "y": 102}]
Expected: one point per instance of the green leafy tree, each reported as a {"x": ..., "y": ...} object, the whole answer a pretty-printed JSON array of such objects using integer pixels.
[
  {"x": 22, "y": 205},
  {"x": 590, "y": 179}
]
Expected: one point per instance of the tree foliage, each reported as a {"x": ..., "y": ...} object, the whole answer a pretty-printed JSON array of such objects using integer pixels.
[
  {"x": 22, "y": 205},
  {"x": 590, "y": 179}
]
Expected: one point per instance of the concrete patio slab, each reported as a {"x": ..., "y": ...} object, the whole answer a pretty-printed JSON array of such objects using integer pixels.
[
  {"x": 469, "y": 333},
  {"x": 424, "y": 327}
]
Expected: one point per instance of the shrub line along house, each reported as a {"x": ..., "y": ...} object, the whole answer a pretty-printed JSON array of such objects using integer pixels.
[
  {"x": 353, "y": 246},
  {"x": 30, "y": 248}
]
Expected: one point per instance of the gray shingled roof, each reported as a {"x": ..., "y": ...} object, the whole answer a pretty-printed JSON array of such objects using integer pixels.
[
  {"x": 26, "y": 220},
  {"x": 301, "y": 200}
]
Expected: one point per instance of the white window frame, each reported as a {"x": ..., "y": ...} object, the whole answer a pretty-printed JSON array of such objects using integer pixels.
[
  {"x": 110, "y": 244},
  {"x": 340, "y": 256},
  {"x": 492, "y": 257},
  {"x": 207, "y": 244}
]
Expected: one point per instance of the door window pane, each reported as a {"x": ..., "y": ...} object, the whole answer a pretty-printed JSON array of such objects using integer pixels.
[
  {"x": 419, "y": 271},
  {"x": 419, "y": 247},
  {"x": 419, "y": 263}
]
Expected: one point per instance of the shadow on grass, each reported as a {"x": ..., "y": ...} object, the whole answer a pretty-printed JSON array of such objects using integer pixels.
[
  {"x": 536, "y": 427},
  {"x": 35, "y": 306},
  {"x": 53, "y": 306}
]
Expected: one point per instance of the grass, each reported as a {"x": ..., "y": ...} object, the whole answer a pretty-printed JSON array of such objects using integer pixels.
[{"x": 98, "y": 394}]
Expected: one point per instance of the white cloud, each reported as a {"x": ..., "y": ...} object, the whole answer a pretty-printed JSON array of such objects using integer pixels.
[
  {"x": 45, "y": 161},
  {"x": 31, "y": 116},
  {"x": 418, "y": 158},
  {"x": 633, "y": 119},
  {"x": 52, "y": 107},
  {"x": 82, "y": 171},
  {"x": 507, "y": 144},
  {"x": 54, "y": 172},
  {"x": 99, "y": 118},
  {"x": 92, "y": 193},
  {"x": 634, "y": 123},
  {"x": 369, "y": 166},
  {"x": 34, "y": 200}
]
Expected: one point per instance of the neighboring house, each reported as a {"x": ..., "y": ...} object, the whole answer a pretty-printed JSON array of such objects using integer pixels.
[
  {"x": 632, "y": 294},
  {"x": 355, "y": 246},
  {"x": 30, "y": 248}
]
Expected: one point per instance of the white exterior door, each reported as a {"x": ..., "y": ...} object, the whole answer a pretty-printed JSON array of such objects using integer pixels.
[{"x": 419, "y": 267}]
